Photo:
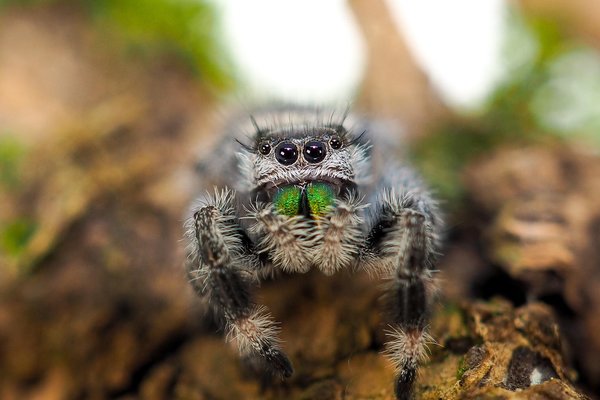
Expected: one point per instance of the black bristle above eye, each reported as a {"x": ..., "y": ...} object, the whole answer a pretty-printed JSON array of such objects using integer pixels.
[
  {"x": 339, "y": 129},
  {"x": 358, "y": 139},
  {"x": 255, "y": 124},
  {"x": 244, "y": 145}
]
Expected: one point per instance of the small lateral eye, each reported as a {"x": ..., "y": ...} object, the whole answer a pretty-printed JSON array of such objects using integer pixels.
[
  {"x": 335, "y": 142},
  {"x": 264, "y": 148}
]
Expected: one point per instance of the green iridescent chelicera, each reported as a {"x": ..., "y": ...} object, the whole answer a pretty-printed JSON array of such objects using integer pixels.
[
  {"x": 319, "y": 196},
  {"x": 287, "y": 200}
]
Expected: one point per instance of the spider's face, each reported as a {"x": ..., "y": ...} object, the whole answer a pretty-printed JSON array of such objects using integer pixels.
[{"x": 302, "y": 171}]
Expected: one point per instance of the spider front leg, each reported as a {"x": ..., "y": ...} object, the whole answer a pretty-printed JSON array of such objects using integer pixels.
[
  {"x": 402, "y": 245},
  {"x": 286, "y": 240},
  {"x": 221, "y": 267},
  {"x": 341, "y": 235},
  {"x": 296, "y": 243}
]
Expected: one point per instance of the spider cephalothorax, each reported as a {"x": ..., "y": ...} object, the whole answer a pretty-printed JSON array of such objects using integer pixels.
[
  {"x": 313, "y": 190},
  {"x": 299, "y": 155}
]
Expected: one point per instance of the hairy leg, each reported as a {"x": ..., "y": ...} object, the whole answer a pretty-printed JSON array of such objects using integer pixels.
[
  {"x": 402, "y": 246},
  {"x": 341, "y": 236},
  {"x": 288, "y": 241},
  {"x": 220, "y": 267}
]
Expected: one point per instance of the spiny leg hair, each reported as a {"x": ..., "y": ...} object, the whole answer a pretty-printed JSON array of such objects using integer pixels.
[
  {"x": 296, "y": 243},
  {"x": 402, "y": 246},
  {"x": 289, "y": 241},
  {"x": 342, "y": 235},
  {"x": 218, "y": 268}
]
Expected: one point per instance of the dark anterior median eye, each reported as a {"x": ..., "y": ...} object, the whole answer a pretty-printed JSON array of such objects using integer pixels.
[
  {"x": 286, "y": 153},
  {"x": 314, "y": 152}
]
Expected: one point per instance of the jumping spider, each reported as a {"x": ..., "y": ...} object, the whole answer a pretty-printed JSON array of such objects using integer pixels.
[{"x": 313, "y": 189}]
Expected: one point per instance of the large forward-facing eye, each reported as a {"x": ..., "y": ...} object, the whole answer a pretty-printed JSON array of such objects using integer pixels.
[
  {"x": 286, "y": 153},
  {"x": 314, "y": 152}
]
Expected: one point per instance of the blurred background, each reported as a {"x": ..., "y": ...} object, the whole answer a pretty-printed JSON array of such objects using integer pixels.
[{"x": 106, "y": 104}]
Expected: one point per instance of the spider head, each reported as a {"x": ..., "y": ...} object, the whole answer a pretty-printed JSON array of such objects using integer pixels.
[{"x": 302, "y": 168}]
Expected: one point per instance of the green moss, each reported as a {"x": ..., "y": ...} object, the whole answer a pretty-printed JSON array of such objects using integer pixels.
[{"x": 462, "y": 368}]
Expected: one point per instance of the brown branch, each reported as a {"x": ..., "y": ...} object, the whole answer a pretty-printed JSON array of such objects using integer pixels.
[{"x": 394, "y": 85}]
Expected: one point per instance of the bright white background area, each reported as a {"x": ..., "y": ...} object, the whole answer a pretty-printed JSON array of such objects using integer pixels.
[
  {"x": 312, "y": 50},
  {"x": 458, "y": 43}
]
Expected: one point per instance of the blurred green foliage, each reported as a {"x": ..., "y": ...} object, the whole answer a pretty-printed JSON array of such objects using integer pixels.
[
  {"x": 529, "y": 105},
  {"x": 15, "y": 235},
  {"x": 11, "y": 156},
  {"x": 188, "y": 28}
]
